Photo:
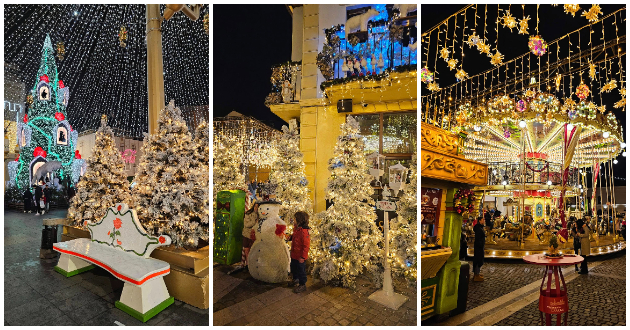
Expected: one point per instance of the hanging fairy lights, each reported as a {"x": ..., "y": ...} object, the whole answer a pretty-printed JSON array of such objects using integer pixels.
[{"x": 107, "y": 78}]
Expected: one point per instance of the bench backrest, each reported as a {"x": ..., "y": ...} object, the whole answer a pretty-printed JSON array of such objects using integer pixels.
[{"x": 121, "y": 229}]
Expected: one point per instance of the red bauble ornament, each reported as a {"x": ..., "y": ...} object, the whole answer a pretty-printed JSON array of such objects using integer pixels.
[
  {"x": 25, "y": 118},
  {"x": 61, "y": 85},
  {"x": 39, "y": 151},
  {"x": 44, "y": 78},
  {"x": 77, "y": 155},
  {"x": 59, "y": 116}
]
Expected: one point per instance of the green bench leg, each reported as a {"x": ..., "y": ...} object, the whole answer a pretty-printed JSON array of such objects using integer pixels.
[
  {"x": 70, "y": 265},
  {"x": 148, "y": 315},
  {"x": 74, "y": 272}
]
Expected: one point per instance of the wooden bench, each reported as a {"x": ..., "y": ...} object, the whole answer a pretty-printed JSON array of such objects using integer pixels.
[{"x": 120, "y": 245}]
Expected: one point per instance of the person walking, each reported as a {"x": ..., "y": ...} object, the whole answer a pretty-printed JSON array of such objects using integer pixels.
[
  {"x": 585, "y": 246},
  {"x": 39, "y": 193},
  {"x": 577, "y": 245},
  {"x": 48, "y": 187},
  {"x": 480, "y": 242},
  {"x": 28, "y": 200}
]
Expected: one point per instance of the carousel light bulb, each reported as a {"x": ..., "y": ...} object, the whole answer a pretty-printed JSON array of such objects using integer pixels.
[
  {"x": 623, "y": 154},
  {"x": 579, "y": 186},
  {"x": 549, "y": 183},
  {"x": 615, "y": 161},
  {"x": 606, "y": 135},
  {"x": 522, "y": 124},
  {"x": 504, "y": 182},
  {"x": 569, "y": 127},
  {"x": 581, "y": 190},
  {"x": 477, "y": 128}
]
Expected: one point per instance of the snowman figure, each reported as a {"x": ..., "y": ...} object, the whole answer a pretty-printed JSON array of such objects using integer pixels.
[
  {"x": 286, "y": 91},
  {"x": 269, "y": 256}
]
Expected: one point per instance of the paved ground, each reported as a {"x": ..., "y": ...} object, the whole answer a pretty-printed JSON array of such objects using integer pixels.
[
  {"x": 241, "y": 300},
  {"x": 509, "y": 294},
  {"x": 34, "y": 294}
]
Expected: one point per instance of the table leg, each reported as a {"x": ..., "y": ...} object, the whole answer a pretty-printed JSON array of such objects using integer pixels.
[
  {"x": 557, "y": 280},
  {"x": 548, "y": 319}
]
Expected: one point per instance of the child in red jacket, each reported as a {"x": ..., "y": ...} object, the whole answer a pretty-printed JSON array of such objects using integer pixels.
[{"x": 300, "y": 243}]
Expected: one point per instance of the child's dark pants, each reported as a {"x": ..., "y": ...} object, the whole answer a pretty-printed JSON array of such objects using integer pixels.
[{"x": 299, "y": 271}]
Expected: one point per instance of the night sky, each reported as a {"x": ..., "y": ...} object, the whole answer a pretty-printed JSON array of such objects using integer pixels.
[
  {"x": 247, "y": 41},
  {"x": 554, "y": 23}
]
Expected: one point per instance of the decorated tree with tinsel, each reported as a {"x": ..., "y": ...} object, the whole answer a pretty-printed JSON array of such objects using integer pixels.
[
  {"x": 164, "y": 192},
  {"x": 403, "y": 230},
  {"x": 345, "y": 239},
  {"x": 288, "y": 175},
  {"x": 226, "y": 168},
  {"x": 104, "y": 183},
  {"x": 46, "y": 139}
]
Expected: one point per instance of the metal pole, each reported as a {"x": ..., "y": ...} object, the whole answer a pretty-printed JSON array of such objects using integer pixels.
[{"x": 155, "y": 69}]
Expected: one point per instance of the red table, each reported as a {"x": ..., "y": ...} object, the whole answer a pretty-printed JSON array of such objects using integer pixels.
[{"x": 553, "y": 300}]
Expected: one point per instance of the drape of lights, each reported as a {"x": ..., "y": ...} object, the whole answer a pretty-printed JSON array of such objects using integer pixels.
[
  {"x": 260, "y": 142},
  {"x": 593, "y": 55},
  {"x": 107, "y": 78}
]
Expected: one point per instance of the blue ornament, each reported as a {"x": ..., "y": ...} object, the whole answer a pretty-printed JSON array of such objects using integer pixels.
[
  {"x": 337, "y": 164},
  {"x": 303, "y": 182}
]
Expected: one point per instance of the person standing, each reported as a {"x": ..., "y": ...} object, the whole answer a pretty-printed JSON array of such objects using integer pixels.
[
  {"x": 28, "y": 200},
  {"x": 585, "y": 245},
  {"x": 48, "y": 187},
  {"x": 480, "y": 243},
  {"x": 577, "y": 245},
  {"x": 300, "y": 244},
  {"x": 39, "y": 192}
]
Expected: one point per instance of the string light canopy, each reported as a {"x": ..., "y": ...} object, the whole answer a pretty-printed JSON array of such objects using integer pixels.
[{"x": 107, "y": 78}]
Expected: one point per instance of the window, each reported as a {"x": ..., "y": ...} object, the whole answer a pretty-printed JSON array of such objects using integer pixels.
[
  {"x": 62, "y": 135},
  {"x": 393, "y": 135}
]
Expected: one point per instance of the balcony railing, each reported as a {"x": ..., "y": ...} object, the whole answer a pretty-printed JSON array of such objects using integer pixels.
[{"x": 387, "y": 45}]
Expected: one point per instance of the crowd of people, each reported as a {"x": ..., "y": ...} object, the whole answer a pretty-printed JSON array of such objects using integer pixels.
[{"x": 38, "y": 197}]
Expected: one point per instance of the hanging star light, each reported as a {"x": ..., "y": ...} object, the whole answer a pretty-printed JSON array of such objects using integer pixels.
[
  {"x": 483, "y": 47},
  {"x": 444, "y": 53},
  {"x": 537, "y": 45},
  {"x": 620, "y": 104},
  {"x": 509, "y": 21},
  {"x": 591, "y": 71},
  {"x": 452, "y": 63},
  {"x": 609, "y": 86},
  {"x": 496, "y": 59},
  {"x": 602, "y": 108},
  {"x": 558, "y": 81},
  {"x": 523, "y": 25},
  {"x": 434, "y": 87},
  {"x": 571, "y": 9},
  {"x": 461, "y": 74},
  {"x": 569, "y": 104},
  {"x": 593, "y": 13},
  {"x": 473, "y": 39}
]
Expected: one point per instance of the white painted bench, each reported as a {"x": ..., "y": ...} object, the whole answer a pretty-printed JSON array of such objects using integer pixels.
[{"x": 120, "y": 245}]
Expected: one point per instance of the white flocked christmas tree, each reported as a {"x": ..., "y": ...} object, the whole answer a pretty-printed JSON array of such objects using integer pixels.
[
  {"x": 200, "y": 173},
  {"x": 403, "y": 231},
  {"x": 226, "y": 168},
  {"x": 345, "y": 238},
  {"x": 164, "y": 192},
  {"x": 104, "y": 183},
  {"x": 288, "y": 176}
]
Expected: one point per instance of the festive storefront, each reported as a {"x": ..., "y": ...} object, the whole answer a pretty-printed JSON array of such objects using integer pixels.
[{"x": 447, "y": 177}]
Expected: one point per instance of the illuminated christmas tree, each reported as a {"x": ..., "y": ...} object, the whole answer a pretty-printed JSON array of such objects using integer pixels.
[
  {"x": 403, "y": 230},
  {"x": 288, "y": 176},
  {"x": 345, "y": 238},
  {"x": 164, "y": 192},
  {"x": 226, "y": 168},
  {"x": 104, "y": 183},
  {"x": 46, "y": 139}
]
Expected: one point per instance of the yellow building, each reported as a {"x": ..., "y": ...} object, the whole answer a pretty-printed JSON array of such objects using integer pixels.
[{"x": 385, "y": 107}]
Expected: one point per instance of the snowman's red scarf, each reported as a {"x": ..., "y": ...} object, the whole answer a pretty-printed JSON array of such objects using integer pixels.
[{"x": 280, "y": 230}]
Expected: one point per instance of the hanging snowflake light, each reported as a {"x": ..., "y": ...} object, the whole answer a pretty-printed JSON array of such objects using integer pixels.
[
  {"x": 452, "y": 63},
  {"x": 461, "y": 74},
  {"x": 571, "y": 9},
  {"x": 537, "y": 45},
  {"x": 426, "y": 76},
  {"x": 496, "y": 59},
  {"x": 523, "y": 25},
  {"x": 483, "y": 47},
  {"x": 593, "y": 13},
  {"x": 609, "y": 86},
  {"x": 61, "y": 50},
  {"x": 473, "y": 39},
  {"x": 591, "y": 71},
  {"x": 122, "y": 36},
  {"x": 582, "y": 91},
  {"x": 444, "y": 53},
  {"x": 434, "y": 87},
  {"x": 509, "y": 21}
]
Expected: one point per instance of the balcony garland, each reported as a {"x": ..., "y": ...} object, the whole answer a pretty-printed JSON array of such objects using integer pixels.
[{"x": 377, "y": 77}]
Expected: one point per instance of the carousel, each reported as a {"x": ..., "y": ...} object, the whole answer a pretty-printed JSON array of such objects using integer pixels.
[{"x": 538, "y": 150}]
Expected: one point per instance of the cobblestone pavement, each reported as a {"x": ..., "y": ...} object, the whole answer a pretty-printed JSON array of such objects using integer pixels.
[
  {"x": 241, "y": 300},
  {"x": 35, "y": 294},
  {"x": 598, "y": 298}
]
